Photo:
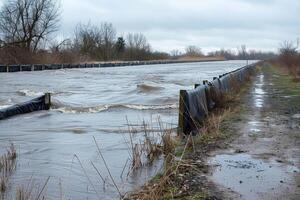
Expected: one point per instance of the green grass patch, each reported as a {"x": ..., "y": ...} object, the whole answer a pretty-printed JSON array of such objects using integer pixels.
[{"x": 284, "y": 81}]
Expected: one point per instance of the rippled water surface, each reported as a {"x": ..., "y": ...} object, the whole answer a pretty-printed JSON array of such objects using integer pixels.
[{"x": 87, "y": 103}]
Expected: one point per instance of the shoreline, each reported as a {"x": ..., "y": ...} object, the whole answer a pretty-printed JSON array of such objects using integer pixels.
[
  {"x": 41, "y": 67},
  {"x": 237, "y": 140}
]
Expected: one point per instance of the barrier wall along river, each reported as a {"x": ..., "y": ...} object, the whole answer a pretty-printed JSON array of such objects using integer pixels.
[{"x": 195, "y": 104}]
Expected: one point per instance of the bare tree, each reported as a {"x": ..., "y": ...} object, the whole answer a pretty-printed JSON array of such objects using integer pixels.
[
  {"x": 175, "y": 53},
  {"x": 28, "y": 23},
  {"x": 288, "y": 47},
  {"x": 137, "y": 46},
  {"x": 137, "y": 41},
  {"x": 94, "y": 41},
  {"x": 225, "y": 53},
  {"x": 58, "y": 46},
  {"x": 108, "y": 33},
  {"x": 288, "y": 54},
  {"x": 87, "y": 40},
  {"x": 193, "y": 51},
  {"x": 242, "y": 52}
]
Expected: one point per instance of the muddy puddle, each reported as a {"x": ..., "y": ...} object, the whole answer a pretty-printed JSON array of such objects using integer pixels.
[
  {"x": 259, "y": 93},
  {"x": 255, "y": 124},
  {"x": 251, "y": 178}
]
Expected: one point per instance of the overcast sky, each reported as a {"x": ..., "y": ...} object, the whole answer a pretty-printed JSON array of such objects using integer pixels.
[{"x": 175, "y": 24}]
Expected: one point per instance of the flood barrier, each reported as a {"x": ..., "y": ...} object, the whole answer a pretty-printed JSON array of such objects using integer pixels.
[
  {"x": 39, "y": 67},
  {"x": 40, "y": 103},
  {"x": 195, "y": 104}
]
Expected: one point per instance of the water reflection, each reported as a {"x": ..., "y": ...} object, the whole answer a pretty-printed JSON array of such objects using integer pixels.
[
  {"x": 259, "y": 92},
  {"x": 250, "y": 177}
]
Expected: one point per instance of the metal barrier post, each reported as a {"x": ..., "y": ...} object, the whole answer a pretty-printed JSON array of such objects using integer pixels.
[
  {"x": 182, "y": 106},
  {"x": 47, "y": 100}
]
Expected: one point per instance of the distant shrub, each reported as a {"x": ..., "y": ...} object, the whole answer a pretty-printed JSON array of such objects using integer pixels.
[{"x": 289, "y": 58}]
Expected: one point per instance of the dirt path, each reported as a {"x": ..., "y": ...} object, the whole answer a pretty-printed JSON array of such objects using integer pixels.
[{"x": 263, "y": 161}]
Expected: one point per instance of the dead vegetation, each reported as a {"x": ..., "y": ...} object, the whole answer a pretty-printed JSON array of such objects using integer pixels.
[
  {"x": 136, "y": 152},
  {"x": 164, "y": 185},
  {"x": 157, "y": 141},
  {"x": 289, "y": 58},
  {"x": 7, "y": 166},
  {"x": 184, "y": 164},
  {"x": 152, "y": 150},
  {"x": 31, "y": 190},
  {"x": 169, "y": 143},
  {"x": 186, "y": 160}
]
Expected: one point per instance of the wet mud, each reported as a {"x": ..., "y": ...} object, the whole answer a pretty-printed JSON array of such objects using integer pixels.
[{"x": 263, "y": 161}]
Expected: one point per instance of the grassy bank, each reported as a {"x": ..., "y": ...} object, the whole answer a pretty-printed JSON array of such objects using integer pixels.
[
  {"x": 183, "y": 175},
  {"x": 286, "y": 85},
  {"x": 283, "y": 79},
  {"x": 288, "y": 60}
]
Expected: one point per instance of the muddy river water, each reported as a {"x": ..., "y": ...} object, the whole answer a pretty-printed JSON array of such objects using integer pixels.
[{"x": 87, "y": 103}]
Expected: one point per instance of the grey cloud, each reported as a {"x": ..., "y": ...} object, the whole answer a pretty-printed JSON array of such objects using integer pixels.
[{"x": 170, "y": 24}]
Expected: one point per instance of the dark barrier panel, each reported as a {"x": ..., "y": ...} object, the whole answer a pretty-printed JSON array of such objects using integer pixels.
[
  {"x": 3, "y": 68},
  {"x": 104, "y": 65},
  {"x": 39, "y": 103},
  {"x": 194, "y": 105},
  {"x": 14, "y": 68},
  {"x": 38, "y": 67},
  {"x": 56, "y": 66},
  {"x": 47, "y": 67},
  {"x": 26, "y": 67},
  {"x": 89, "y": 66},
  {"x": 225, "y": 83},
  {"x": 75, "y": 66},
  {"x": 67, "y": 66},
  {"x": 194, "y": 109}
]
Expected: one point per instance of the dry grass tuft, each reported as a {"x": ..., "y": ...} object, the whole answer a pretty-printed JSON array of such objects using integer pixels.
[
  {"x": 157, "y": 188},
  {"x": 31, "y": 191},
  {"x": 136, "y": 157},
  {"x": 136, "y": 154},
  {"x": 7, "y": 166},
  {"x": 152, "y": 149},
  {"x": 23, "y": 193},
  {"x": 169, "y": 143},
  {"x": 212, "y": 124},
  {"x": 157, "y": 141},
  {"x": 234, "y": 83},
  {"x": 161, "y": 142}
]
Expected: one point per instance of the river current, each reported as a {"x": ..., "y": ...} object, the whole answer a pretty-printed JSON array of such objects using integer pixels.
[{"x": 87, "y": 103}]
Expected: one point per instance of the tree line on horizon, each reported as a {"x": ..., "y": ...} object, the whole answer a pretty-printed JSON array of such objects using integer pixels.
[{"x": 27, "y": 29}]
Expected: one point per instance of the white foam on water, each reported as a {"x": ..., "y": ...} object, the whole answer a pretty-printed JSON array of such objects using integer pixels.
[
  {"x": 101, "y": 108},
  {"x": 4, "y": 106},
  {"x": 29, "y": 93}
]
